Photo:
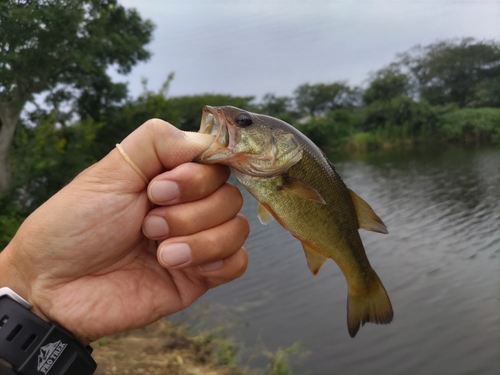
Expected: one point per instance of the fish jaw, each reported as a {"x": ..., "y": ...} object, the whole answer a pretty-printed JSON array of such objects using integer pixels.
[
  {"x": 213, "y": 123},
  {"x": 232, "y": 146}
]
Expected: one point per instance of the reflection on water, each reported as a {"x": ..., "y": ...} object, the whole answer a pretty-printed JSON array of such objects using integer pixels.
[{"x": 440, "y": 264}]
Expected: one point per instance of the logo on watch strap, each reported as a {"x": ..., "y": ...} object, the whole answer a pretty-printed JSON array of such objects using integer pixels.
[{"x": 49, "y": 355}]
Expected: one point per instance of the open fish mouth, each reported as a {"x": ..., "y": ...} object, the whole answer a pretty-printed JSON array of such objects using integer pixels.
[
  {"x": 213, "y": 123},
  {"x": 268, "y": 160}
]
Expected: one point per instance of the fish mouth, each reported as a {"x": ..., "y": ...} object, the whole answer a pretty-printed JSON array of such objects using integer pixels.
[
  {"x": 213, "y": 122},
  {"x": 225, "y": 150},
  {"x": 210, "y": 122}
]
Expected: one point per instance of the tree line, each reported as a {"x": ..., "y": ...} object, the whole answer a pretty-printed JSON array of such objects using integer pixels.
[{"x": 61, "y": 112}]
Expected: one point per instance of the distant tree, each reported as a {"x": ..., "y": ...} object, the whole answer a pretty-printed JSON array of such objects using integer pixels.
[
  {"x": 385, "y": 85},
  {"x": 332, "y": 130},
  {"x": 465, "y": 72},
  {"x": 416, "y": 118},
  {"x": 319, "y": 98},
  {"x": 46, "y": 157},
  {"x": 63, "y": 48},
  {"x": 277, "y": 106},
  {"x": 477, "y": 125}
]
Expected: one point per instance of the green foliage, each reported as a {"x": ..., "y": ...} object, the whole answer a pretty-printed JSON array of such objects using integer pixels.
[
  {"x": 362, "y": 142},
  {"x": 66, "y": 41},
  {"x": 279, "y": 362},
  {"x": 331, "y": 130},
  {"x": 278, "y": 106},
  {"x": 472, "y": 125},
  {"x": 400, "y": 117},
  {"x": 465, "y": 72},
  {"x": 386, "y": 85},
  {"x": 316, "y": 99},
  {"x": 46, "y": 157},
  {"x": 10, "y": 219},
  {"x": 63, "y": 48}
]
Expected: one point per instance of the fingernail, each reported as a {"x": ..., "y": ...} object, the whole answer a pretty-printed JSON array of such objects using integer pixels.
[
  {"x": 155, "y": 227},
  {"x": 164, "y": 191},
  {"x": 175, "y": 254},
  {"x": 209, "y": 267}
]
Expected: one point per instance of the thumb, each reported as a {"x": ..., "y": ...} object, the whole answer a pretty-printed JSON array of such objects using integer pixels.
[{"x": 154, "y": 147}]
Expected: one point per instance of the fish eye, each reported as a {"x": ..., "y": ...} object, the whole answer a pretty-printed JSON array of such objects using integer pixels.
[{"x": 244, "y": 120}]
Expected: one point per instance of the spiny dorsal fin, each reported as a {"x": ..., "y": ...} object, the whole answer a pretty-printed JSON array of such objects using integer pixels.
[
  {"x": 367, "y": 218},
  {"x": 314, "y": 260},
  {"x": 302, "y": 189},
  {"x": 263, "y": 214}
]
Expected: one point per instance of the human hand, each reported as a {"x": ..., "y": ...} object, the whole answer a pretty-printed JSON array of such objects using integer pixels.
[{"x": 98, "y": 258}]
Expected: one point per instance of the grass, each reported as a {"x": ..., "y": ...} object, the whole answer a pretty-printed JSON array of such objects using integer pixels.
[{"x": 163, "y": 348}]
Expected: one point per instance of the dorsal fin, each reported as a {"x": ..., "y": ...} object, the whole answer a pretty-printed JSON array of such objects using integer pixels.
[
  {"x": 263, "y": 214},
  {"x": 302, "y": 189},
  {"x": 367, "y": 218}
]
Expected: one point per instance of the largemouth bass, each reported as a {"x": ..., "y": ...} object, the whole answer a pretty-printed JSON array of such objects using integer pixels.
[{"x": 296, "y": 184}]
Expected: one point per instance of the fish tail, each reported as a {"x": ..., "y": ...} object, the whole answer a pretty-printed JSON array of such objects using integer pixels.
[{"x": 368, "y": 304}]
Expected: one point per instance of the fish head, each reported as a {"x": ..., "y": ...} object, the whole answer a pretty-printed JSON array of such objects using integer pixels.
[{"x": 253, "y": 144}]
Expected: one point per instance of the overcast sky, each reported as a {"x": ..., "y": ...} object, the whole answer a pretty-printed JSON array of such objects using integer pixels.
[{"x": 252, "y": 47}]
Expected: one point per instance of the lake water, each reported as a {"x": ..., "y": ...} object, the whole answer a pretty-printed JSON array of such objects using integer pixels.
[{"x": 440, "y": 264}]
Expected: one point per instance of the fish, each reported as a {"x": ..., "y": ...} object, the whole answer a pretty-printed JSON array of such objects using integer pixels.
[{"x": 295, "y": 184}]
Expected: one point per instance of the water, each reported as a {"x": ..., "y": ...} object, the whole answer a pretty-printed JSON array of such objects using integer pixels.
[{"x": 440, "y": 264}]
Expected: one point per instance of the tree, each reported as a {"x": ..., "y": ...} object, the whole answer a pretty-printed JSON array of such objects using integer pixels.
[
  {"x": 63, "y": 48},
  {"x": 387, "y": 84},
  {"x": 465, "y": 72},
  {"x": 46, "y": 157},
  {"x": 332, "y": 130},
  {"x": 317, "y": 99},
  {"x": 400, "y": 116},
  {"x": 278, "y": 106}
]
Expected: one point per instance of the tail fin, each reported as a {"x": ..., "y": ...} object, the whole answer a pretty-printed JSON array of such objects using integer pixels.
[{"x": 372, "y": 305}]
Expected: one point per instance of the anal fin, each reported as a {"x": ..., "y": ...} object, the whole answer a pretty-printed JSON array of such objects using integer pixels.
[
  {"x": 314, "y": 260},
  {"x": 367, "y": 218}
]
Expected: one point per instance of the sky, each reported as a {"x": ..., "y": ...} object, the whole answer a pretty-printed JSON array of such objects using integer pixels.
[{"x": 254, "y": 47}]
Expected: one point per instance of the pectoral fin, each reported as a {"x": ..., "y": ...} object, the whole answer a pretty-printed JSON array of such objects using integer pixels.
[
  {"x": 302, "y": 189},
  {"x": 367, "y": 218},
  {"x": 314, "y": 260},
  {"x": 263, "y": 214}
]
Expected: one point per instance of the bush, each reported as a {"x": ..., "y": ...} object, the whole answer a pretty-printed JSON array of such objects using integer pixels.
[
  {"x": 401, "y": 117},
  {"x": 332, "y": 130},
  {"x": 472, "y": 125}
]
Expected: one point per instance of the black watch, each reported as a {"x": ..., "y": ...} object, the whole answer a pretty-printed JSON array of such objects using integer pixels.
[{"x": 33, "y": 346}]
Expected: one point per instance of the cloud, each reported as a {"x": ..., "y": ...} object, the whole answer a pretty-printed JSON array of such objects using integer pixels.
[{"x": 254, "y": 47}]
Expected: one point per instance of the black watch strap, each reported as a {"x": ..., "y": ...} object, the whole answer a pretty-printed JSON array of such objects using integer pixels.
[{"x": 35, "y": 347}]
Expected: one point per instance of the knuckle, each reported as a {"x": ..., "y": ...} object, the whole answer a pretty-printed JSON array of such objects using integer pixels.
[{"x": 154, "y": 123}]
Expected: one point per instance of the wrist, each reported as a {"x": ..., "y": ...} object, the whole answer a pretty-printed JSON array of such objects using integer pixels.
[
  {"x": 11, "y": 277},
  {"x": 31, "y": 345}
]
